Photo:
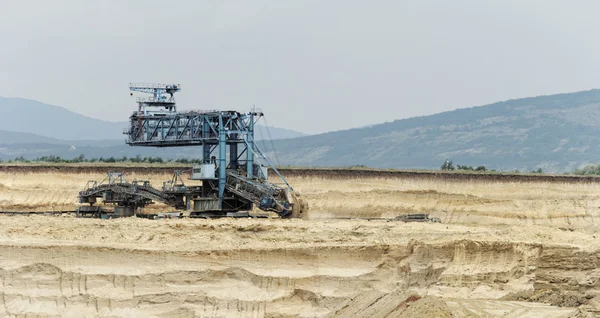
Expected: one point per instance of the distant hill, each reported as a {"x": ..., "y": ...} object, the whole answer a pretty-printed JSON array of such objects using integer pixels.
[
  {"x": 556, "y": 133},
  {"x": 262, "y": 132},
  {"x": 11, "y": 137},
  {"x": 29, "y": 116},
  {"x": 49, "y": 124}
]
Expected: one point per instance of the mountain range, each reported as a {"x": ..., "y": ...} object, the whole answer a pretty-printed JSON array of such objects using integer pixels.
[{"x": 555, "y": 132}]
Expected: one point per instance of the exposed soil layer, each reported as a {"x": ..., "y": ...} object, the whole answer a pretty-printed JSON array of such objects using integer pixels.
[
  {"x": 189, "y": 268},
  {"x": 318, "y": 172}
]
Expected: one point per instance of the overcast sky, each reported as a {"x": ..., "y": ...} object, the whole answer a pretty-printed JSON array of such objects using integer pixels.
[{"x": 311, "y": 65}]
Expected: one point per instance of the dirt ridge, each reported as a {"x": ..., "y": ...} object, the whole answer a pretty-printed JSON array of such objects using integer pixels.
[{"x": 330, "y": 173}]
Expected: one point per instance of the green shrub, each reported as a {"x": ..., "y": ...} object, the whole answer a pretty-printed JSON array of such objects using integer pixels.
[
  {"x": 448, "y": 165},
  {"x": 593, "y": 169}
]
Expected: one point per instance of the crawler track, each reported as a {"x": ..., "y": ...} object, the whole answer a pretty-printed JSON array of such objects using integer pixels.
[
  {"x": 38, "y": 212},
  {"x": 152, "y": 216}
]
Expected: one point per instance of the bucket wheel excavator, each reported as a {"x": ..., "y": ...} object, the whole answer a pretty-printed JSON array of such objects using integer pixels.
[{"x": 233, "y": 170}]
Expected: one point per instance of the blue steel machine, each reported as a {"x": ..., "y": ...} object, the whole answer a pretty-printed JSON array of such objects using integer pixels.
[{"x": 232, "y": 181}]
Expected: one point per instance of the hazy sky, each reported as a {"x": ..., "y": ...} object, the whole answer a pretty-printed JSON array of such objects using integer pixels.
[{"x": 311, "y": 65}]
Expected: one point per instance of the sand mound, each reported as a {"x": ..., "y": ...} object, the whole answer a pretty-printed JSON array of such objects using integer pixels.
[
  {"x": 553, "y": 297},
  {"x": 393, "y": 305},
  {"x": 372, "y": 304},
  {"x": 589, "y": 310},
  {"x": 427, "y": 306}
]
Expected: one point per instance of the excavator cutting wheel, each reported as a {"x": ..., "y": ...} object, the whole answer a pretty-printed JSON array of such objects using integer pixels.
[{"x": 299, "y": 207}]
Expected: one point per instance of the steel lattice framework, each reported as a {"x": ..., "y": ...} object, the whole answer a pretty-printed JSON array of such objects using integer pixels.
[
  {"x": 158, "y": 124},
  {"x": 231, "y": 180}
]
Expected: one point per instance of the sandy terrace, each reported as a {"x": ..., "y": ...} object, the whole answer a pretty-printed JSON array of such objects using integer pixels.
[{"x": 502, "y": 249}]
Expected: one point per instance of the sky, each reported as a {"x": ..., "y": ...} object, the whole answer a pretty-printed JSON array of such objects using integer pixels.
[{"x": 311, "y": 65}]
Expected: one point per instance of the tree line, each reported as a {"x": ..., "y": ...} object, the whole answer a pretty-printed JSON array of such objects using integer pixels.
[
  {"x": 81, "y": 158},
  {"x": 448, "y": 165},
  {"x": 593, "y": 169}
]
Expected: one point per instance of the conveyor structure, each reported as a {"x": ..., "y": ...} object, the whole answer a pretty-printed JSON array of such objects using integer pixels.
[{"x": 233, "y": 170}]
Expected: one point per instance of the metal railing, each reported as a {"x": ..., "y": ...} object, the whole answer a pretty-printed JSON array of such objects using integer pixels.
[
  {"x": 153, "y": 85},
  {"x": 151, "y": 99}
]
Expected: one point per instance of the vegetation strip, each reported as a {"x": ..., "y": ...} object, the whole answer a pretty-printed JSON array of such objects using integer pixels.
[{"x": 311, "y": 172}]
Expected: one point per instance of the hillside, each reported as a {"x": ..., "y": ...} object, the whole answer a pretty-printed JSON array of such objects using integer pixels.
[
  {"x": 262, "y": 132},
  {"x": 11, "y": 137},
  {"x": 29, "y": 116},
  {"x": 556, "y": 133},
  {"x": 35, "y": 122}
]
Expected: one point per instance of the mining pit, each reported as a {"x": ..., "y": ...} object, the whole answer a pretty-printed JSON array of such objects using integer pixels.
[{"x": 516, "y": 246}]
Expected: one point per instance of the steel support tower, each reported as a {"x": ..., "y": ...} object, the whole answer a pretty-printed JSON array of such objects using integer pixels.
[{"x": 231, "y": 178}]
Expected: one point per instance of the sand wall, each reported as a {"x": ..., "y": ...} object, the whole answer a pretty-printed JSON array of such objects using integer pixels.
[{"x": 165, "y": 278}]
